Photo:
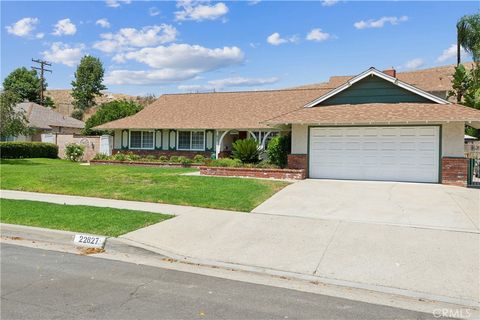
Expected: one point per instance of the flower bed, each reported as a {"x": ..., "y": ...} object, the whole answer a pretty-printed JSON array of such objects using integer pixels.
[
  {"x": 145, "y": 163},
  {"x": 293, "y": 174}
]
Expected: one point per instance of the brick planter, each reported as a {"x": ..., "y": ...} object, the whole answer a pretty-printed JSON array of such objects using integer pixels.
[
  {"x": 143, "y": 164},
  {"x": 455, "y": 171},
  {"x": 253, "y": 172}
]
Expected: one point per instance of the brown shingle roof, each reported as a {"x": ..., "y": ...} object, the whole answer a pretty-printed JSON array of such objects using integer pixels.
[
  {"x": 44, "y": 118},
  {"x": 221, "y": 110},
  {"x": 379, "y": 113},
  {"x": 432, "y": 79}
]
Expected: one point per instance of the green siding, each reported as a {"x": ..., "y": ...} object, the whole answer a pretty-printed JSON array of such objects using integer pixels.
[{"x": 374, "y": 90}]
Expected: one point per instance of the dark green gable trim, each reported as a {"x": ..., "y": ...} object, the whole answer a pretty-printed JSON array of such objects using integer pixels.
[{"x": 373, "y": 89}]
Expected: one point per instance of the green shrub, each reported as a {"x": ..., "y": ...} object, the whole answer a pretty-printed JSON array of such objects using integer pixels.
[
  {"x": 266, "y": 164},
  {"x": 246, "y": 150},
  {"x": 163, "y": 158},
  {"x": 185, "y": 161},
  {"x": 174, "y": 159},
  {"x": 74, "y": 151},
  {"x": 278, "y": 150},
  {"x": 101, "y": 156},
  {"x": 120, "y": 157},
  {"x": 150, "y": 157},
  {"x": 199, "y": 159},
  {"x": 16, "y": 150},
  {"x": 132, "y": 156},
  {"x": 225, "y": 162}
]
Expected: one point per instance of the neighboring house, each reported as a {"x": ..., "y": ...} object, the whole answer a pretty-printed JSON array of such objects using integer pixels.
[
  {"x": 371, "y": 127},
  {"x": 45, "y": 122}
]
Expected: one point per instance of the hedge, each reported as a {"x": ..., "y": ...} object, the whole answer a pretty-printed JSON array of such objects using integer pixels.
[{"x": 15, "y": 150}]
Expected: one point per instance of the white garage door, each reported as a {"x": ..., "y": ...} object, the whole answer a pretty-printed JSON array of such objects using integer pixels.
[{"x": 408, "y": 153}]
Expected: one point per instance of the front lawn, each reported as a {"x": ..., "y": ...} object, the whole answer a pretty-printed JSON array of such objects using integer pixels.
[
  {"x": 96, "y": 220},
  {"x": 165, "y": 185}
]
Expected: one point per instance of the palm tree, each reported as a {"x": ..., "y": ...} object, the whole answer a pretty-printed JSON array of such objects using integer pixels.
[{"x": 468, "y": 36}]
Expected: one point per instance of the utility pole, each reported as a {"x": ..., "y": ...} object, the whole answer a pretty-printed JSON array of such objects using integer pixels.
[{"x": 42, "y": 69}]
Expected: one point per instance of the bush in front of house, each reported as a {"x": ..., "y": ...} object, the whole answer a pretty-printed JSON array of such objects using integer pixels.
[
  {"x": 74, "y": 151},
  {"x": 246, "y": 150},
  {"x": 174, "y": 159},
  {"x": 102, "y": 156},
  {"x": 184, "y": 161},
  {"x": 132, "y": 156},
  {"x": 278, "y": 150},
  {"x": 18, "y": 150},
  {"x": 150, "y": 158},
  {"x": 120, "y": 157},
  {"x": 225, "y": 162},
  {"x": 199, "y": 159},
  {"x": 163, "y": 158}
]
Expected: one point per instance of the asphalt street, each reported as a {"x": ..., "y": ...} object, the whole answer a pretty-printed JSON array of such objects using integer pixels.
[{"x": 40, "y": 284}]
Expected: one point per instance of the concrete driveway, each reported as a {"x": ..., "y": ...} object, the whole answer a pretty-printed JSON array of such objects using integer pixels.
[{"x": 395, "y": 203}]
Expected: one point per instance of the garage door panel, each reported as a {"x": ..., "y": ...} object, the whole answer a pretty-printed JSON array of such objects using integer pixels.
[{"x": 375, "y": 153}]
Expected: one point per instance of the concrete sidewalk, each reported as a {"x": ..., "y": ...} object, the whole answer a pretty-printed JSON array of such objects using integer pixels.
[
  {"x": 431, "y": 264},
  {"x": 111, "y": 203}
]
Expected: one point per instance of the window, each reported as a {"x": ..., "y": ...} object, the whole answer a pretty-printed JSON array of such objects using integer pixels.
[
  {"x": 191, "y": 140},
  {"x": 141, "y": 139}
]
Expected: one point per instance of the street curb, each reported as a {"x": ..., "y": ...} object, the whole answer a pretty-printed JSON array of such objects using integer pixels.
[
  {"x": 66, "y": 238},
  {"x": 299, "y": 276}
]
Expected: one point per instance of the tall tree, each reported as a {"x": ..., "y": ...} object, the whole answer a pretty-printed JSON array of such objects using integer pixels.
[
  {"x": 110, "y": 111},
  {"x": 24, "y": 83},
  {"x": 88, "y": 83},
  {"x": 468, "y": 36},
  {"x": 12, "y": 122}
]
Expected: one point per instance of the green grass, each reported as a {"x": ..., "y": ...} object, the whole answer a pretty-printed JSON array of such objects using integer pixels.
[
  {"x": 96, "y": 220},
  {"x": 164, "y": 185}
]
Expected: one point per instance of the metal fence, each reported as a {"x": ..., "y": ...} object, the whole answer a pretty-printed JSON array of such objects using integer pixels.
[{"x": 473, "y": 179}]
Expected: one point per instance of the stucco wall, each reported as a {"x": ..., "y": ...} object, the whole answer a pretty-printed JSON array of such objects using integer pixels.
[
  {"x": 452, "y": 139},
  {"x": 299, "y": 139}
]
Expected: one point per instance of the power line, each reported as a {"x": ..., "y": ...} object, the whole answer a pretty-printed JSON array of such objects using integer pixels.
[{"x": 42, "y": 69}]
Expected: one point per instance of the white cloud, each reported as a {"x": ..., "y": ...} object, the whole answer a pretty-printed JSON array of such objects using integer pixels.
[
  {"x": 185, "y": 56},
  {"x": 23, "y": 27},
  {"x": 64, "y": 53},
  {"x": 318, "y": 35},
  {"x": 129, "y": 38},
  {"x": 275, "y": 39},
  {"x": 103, "y": 23},
  {"x": 40, "y": 35},
  {"x": 253, "y": 2},
  {"x": 220, "y": 84},
  {"x": 153, "y": 11},
  {"x": 379, "y": 23},
  {"x": 329, "y": 3},
  {"x": 451, "y": 52},
  {"x": 146, "y": 77},
  {"x": 414, "y": 63},
  {"x": 173, "y": 63},
  {"x": 196, "y": 11},
  {"x": 64, "y": 27},
  {"x": 242, "y": 82},
  {"x": 117, "y": 3}
]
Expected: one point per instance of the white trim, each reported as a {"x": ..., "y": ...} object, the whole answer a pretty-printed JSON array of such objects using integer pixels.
[
  {"x": 178, "y": 140},
  {"x": 373, "y": 71},
  {"x": 141, "y": 139}
]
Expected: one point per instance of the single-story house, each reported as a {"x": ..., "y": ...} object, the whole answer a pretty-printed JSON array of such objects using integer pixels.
[
  {"x": 371, "y": 127},
  {"x": 45, "y": 123}
]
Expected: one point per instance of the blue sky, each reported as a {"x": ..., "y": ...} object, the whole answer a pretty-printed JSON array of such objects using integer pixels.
[{"x": 187, "y": 46}]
